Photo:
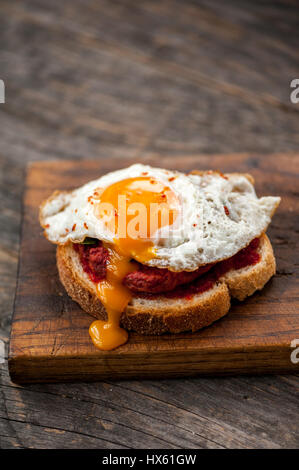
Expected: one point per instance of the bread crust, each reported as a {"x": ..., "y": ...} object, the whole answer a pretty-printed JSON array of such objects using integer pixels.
[
  {"x": 161, "y": 315},
  {"x": 244, "y": 282}
]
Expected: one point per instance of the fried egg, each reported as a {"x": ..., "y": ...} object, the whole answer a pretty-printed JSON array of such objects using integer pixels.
[{"x": 210, "y": 216}]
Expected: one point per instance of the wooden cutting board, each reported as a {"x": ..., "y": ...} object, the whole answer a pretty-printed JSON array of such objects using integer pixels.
[{"x": 49, "y": 337}]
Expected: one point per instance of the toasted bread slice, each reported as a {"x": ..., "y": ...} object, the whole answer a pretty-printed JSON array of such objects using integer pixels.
[{"x": 162, "y": 314}]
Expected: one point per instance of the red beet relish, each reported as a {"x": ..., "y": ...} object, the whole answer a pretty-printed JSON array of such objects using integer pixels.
[{"x": 94, "y": 258}]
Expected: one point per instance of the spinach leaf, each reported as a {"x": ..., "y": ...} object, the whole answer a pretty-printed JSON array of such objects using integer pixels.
[{"x": 89, "y": 241}]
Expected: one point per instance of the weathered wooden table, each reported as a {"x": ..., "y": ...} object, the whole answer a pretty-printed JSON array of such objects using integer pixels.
[{"x": 138, "y": 79}]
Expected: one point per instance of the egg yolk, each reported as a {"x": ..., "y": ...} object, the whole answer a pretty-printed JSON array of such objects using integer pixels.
[{"x": 133, "y": 209}]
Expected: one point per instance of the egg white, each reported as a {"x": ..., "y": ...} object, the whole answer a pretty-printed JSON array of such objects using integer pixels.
[{"x": 202, "y": 233}]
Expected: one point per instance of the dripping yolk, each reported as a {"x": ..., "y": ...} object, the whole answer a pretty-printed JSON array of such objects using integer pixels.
[{"x": 133, "y": 210}]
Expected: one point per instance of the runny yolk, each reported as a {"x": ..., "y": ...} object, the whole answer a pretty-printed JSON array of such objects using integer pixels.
[
  {"x": 115, "y": 297},
  {"x": 156, "y": 206}
]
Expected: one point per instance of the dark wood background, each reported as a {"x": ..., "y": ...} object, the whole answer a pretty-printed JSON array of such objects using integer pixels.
[{"x": 137, "y": 79}]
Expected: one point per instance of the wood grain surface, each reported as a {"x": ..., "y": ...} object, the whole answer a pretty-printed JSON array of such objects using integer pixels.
[
  {"x": 49, "y": 336},
  {"x": 154, "y": 78}
]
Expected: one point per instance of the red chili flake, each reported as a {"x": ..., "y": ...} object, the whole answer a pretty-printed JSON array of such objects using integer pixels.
[
  {"x": 67, "y": 230},
  {"x": 47, "y": 226},
  {"x": 163, "y": 195},
  {"x": 152, "y": 181},
  {"x": 73, "y": 227},
  {"x": 188, "y": 296},
  {"x": 85, "y": 225},
  {"x": 144, "y": 173},
  {"x": 115, "y": 213},
  {"x": 172, "y": 178},
  {"x": 76, "y": 210},
  {"x": 194, "y": 225},
  {"x": 226, "y": 210},
  {"x": 223, "y": 176}
]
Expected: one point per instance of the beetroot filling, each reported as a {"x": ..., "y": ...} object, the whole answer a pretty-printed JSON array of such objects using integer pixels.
[
  {"x": 149, "y": 282},
  {"x": 93, "y": 259},
  {"x": 155, "y": 280}
]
